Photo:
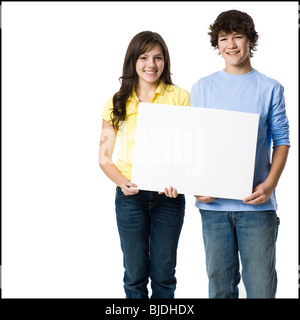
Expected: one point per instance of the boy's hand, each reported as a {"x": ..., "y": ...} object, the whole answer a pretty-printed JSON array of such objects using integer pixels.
[{"x": 261, "y": 194}]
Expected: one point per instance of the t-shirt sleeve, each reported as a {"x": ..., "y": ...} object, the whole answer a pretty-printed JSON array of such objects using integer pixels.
[
  {"x": 106, "y": 115},
  {"x": 185, "y": 98}
]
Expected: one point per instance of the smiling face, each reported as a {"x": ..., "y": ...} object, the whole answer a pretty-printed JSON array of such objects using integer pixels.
[
  {"x": 150, "y": 65},
  {"x": 235, "y": 49}
]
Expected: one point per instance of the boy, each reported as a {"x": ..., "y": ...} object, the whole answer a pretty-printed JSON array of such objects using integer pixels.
[{"x": 248, "y": 226}]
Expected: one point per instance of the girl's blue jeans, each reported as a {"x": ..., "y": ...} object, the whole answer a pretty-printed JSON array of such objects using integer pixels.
[
  {"x": 149, "y": 226},
  {"x": 251, "y": 233}
]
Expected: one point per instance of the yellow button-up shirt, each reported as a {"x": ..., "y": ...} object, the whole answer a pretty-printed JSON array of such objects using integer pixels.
[{"x": 164, "y": 94}]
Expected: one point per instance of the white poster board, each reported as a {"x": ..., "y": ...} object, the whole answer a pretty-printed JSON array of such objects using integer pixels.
[{"x": 199, "y": 151}]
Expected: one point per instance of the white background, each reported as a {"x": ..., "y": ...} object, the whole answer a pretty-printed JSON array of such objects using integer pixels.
[{"x": 60, "y": 63}]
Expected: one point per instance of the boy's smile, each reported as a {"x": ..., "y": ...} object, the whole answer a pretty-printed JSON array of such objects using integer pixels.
[{"x": 235, "y": 49}]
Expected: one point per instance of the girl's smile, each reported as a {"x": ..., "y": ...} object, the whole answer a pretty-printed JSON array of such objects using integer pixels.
[{"x": 150, "y": 65}]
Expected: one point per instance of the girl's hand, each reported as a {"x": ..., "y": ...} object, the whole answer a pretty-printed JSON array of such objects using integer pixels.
[
  {"x": 171, "y": 192},
  {"x": 127, "y": 188},
  {"x": 205, "y": 199}
]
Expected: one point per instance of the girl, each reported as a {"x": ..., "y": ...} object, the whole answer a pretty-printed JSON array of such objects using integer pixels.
[{"x": 149, "y": 223}]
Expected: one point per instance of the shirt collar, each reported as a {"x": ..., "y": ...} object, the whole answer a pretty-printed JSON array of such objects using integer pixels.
[{"x": 161, "y": 89}]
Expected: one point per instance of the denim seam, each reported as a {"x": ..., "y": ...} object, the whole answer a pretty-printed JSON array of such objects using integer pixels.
[{"x": 233, "y": 276}]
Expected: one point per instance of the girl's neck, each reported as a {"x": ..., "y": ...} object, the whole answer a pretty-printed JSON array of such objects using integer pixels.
[{"x": 145, "y": 91}]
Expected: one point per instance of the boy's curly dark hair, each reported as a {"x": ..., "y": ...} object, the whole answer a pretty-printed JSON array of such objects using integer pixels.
[{"x": 234, "y": 21}]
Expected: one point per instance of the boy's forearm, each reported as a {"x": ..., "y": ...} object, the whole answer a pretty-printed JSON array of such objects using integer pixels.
[
  {"x": 262, "y": 192},
  {"x": 279, "y": 157}
]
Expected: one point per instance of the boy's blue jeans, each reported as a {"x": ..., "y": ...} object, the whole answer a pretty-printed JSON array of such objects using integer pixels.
[
  {"x": 149, "y": 226},
  {"x": 253, "y": 234}
]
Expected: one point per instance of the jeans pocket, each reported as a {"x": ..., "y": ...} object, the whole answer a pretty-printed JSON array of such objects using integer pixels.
[{"x": 119, "y": 193}]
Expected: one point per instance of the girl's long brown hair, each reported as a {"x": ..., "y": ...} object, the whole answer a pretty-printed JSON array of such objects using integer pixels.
[{"x": 139, "y": 44}]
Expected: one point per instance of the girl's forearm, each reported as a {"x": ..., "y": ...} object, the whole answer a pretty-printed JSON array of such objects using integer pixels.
[{"x": 113, "y": 174}]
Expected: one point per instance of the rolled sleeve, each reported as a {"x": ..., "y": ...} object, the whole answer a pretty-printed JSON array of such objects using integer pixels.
[{"x": 278, "y": 121}]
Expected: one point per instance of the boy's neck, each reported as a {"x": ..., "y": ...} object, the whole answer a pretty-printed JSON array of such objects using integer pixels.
[{"x": 239, "y": 69}]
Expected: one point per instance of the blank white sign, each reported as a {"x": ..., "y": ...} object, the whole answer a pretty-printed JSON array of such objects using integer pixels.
[{"x": 199, "y": 151}]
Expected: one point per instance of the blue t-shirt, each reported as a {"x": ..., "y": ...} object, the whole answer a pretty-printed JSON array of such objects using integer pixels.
[{"x": 254, "y": 93}]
